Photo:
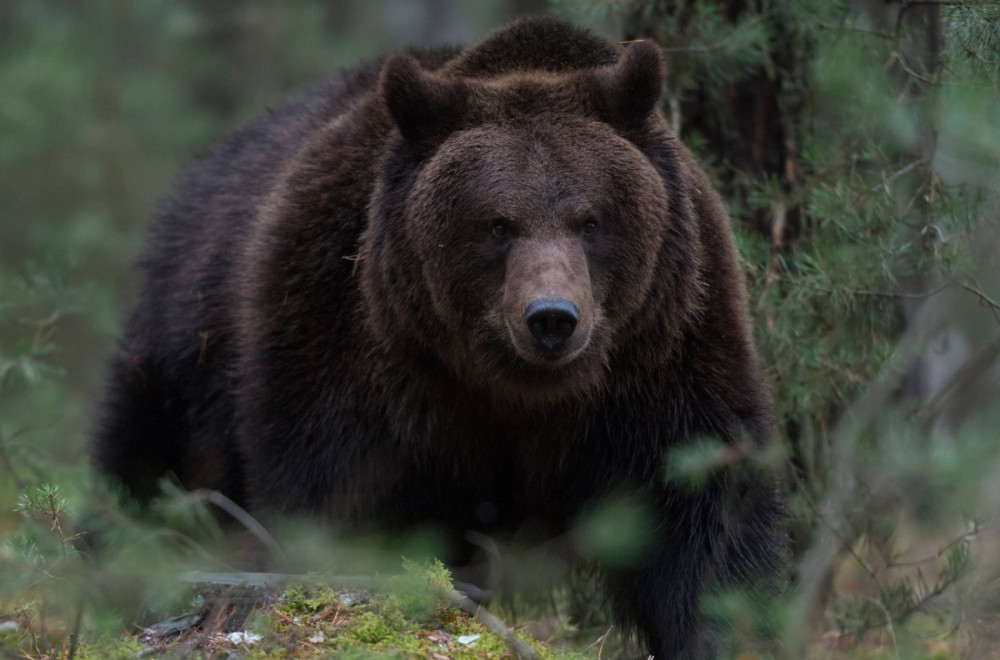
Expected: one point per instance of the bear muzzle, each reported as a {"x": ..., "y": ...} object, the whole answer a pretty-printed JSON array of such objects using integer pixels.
[{"x": 547, "y": 303}]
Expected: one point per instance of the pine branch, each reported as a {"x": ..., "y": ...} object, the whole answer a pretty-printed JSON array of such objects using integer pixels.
[
  {"x": 964, "y": 538},
  {"x": 974, "y": 289}
]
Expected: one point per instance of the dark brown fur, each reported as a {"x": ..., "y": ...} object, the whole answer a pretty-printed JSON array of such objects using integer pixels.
[{"x": 332, "y": 325}]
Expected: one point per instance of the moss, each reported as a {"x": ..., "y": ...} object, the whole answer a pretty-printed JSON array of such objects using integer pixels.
[
  {"x": 109, "y": 649},
  {"x": 308, "y": 598},
  {"x": 10, "y": 637},
  {"x": 370, "y": 628},
  {"x": 433, "y": 573},
  {"x": 418, "y": 589}
]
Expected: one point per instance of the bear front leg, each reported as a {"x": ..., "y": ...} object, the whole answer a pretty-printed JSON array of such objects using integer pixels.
[
  {"x": 725, "y": 536},
  {"x": 658, "y": 599}
]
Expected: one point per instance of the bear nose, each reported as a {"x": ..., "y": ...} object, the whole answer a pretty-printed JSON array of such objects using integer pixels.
[{"x": 551, "y": 321}]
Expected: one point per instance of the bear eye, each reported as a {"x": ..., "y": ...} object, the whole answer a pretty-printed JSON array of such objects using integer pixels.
[
  {"x": 589, "y": 226},
  {"x": 498, "y": 227}
]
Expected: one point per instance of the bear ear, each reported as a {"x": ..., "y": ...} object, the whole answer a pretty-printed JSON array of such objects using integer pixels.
[
  {"x": 630, "y": 90},
  {"x": 425, "y": 106}
]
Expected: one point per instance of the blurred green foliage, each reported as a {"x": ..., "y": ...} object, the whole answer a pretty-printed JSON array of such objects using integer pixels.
[{"x": 857, "y": 144}]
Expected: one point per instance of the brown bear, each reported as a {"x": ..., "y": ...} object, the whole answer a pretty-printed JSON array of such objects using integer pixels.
[{"x": 474, "y": 289}]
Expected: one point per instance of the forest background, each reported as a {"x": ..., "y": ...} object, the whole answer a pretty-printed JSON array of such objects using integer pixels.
[{"x": 856, "y": 143}]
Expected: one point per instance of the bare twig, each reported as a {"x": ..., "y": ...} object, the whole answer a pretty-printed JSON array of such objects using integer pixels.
[
  {"x": 977, "y": 290},
  {"x": 898, "y": 173},
  {"x": 913, "y": 607},
  {"x": 494, "y": 559},
  {"x": 8, "y": 464},
  {"x": 241, "y": 516},
  {"x": 939, "y": 3},
  {"x": 875, "y": 294},
  {"x": 899, "y": 59},
  {"x": 356, "y": 259},
  {"x": 967, "y": 373},
  {"x": 964, "y": 538},
  {"x": 623, "y": 45},
  {"x": 974, "y": 289},
  {"x": 491, "y": 622},
  {"x": 603, "y": 638},
  {"x": 721, "y": 45},
  {"x": 851, "y": 28},
  {"x": 74, "y": 636}
]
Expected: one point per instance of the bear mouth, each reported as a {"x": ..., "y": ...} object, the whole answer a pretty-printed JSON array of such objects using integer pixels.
[
  {"x": 534, "y": 382},
  {"x": 495, "y": 363},
  {"x": 535, "y": 355}
]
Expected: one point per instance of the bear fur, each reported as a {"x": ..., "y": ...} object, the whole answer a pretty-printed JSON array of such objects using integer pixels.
[{"x": 336, "y": 317}]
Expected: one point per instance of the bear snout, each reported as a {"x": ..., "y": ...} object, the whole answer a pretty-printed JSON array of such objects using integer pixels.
[
  {"x": 551, "y": 322},
  {"x": 547, "y": 303}
]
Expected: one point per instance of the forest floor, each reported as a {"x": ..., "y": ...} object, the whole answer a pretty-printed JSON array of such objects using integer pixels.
[{"x": 415, "y": 615}]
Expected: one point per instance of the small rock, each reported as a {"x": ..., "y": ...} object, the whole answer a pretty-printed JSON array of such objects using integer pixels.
[
  {"x": 247, "y": 638},
  {"x": 468, "y": 640},
  {"x": 174, "y": 625}
]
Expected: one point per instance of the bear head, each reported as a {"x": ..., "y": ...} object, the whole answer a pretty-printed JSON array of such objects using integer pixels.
[{"x": 517, "y": 224}]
